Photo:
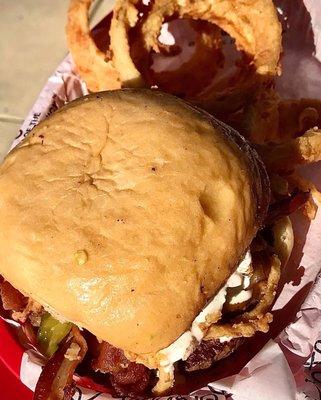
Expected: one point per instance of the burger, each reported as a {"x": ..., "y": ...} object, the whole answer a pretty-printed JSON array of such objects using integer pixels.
[{"x": 137, "y": 239}]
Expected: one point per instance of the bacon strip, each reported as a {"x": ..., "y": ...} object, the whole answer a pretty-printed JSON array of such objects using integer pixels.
[
  {"x": 12, "y": 299},
  {"x": 89, "y": 383},
  {"x": 127, "y": 378},
  {"x": 286, "y": 206}
]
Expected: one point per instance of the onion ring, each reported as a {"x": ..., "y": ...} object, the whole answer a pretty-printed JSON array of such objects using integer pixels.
[
  {"x": 239, "y": 18},
  {"x": 117, "y": 68},
  {"x": 242, "y": 21},
  {"x": 125, "y": 16},
  {"x": 257, "y": 319},
  {"x": 99, "y": 70},
  {"x": 260, "y": 122},
  {"x": 297, "y": 116},
  {"x": 93, "y": 65},
  {"x": 286, "y": 156},
  {"x": 268, "y": 118},
  {"x": 132, "y": 60}
]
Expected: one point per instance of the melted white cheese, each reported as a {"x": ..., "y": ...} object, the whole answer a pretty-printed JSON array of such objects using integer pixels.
[
  {"x": 241, "y": 297},
  {"x": 177, "y": 350},
  {"x": 215, "y": 306},
  {"x": 188, "y": 341},
  {"x": 224, "y": 339}
]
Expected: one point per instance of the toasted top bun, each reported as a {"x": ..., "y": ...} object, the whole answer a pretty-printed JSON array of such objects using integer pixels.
[{"x": 125, "y": 211}]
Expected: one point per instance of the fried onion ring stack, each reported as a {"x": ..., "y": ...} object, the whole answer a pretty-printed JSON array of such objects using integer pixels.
[{"x": 242, "y": 20}]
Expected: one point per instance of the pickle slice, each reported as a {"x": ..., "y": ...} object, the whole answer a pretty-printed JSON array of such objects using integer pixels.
[{"x": 51, "y": 333}]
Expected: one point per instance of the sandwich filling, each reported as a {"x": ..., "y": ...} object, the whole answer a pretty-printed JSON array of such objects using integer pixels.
[
  {"x": 130, "y": 375},
  {"x": 236, "y": 290}
]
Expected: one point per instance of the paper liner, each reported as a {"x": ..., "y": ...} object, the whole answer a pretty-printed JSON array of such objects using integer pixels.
[{"x": 288, "y": 363}]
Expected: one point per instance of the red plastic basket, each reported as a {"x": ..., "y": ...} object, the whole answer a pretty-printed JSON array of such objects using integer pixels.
[{"x": 11, "y": 388}]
